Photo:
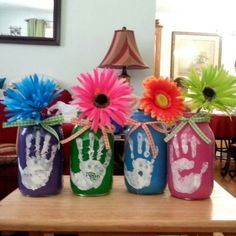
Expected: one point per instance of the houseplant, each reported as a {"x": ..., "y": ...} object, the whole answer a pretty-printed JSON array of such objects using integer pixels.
[
  {"x": 101, "y": 98},
  {"x": 38, "y": 147},
  {"x": 191, "y": 144},
  {"x": 145, "y": 149}
]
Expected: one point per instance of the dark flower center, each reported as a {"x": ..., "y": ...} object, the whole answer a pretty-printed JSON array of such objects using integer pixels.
[
  {"x": 209, "y": 93},
  {"x": 101, "y": 100}
]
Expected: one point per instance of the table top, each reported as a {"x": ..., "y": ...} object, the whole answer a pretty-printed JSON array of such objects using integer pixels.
[{"x": 119, "y": 211}]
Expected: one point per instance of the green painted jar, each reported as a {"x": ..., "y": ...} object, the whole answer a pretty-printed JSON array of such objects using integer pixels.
[{"x": 91, "y": 166}]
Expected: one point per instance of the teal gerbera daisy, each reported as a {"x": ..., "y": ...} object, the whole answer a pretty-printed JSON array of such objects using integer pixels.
[{"x": 29, "y": 97}]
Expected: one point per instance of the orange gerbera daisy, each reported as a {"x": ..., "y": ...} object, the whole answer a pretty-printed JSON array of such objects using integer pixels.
[{"x": 162, "y": 99}]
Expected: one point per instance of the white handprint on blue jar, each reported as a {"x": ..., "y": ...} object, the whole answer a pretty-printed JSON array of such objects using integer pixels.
[
  {"x": 141, "y": 174},
  {"x": 145, "y": 171}
]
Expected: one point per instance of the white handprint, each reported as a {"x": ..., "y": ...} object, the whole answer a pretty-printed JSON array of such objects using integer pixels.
[
  {"x": 191, "y": 182},
  {"x": 92, "y": 171},
  {"x": 141, "y": 174},
  {"x": 38, "y": 168}
]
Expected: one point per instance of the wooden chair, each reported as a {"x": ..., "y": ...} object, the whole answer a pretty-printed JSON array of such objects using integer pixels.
[{"x": 231, "y": 159}]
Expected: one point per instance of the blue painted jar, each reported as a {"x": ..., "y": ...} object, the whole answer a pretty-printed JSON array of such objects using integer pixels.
[
  {"x": 145, "y": 171},
  {"x": 40, "y": 161}
]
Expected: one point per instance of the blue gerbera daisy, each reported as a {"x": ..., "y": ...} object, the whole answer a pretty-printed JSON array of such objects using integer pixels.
[{"x": 29, "y": 98}]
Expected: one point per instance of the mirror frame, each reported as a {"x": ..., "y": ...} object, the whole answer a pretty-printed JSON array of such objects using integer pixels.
[{"x": 55, "y": 40}]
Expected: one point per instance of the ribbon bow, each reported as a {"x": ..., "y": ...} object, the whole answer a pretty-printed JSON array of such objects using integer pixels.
[
  {"x": 46, "y": 124},
  {"x": 145, "y": 127},
  {"x": 85, "y": 126},
  {"x": 192, "y": 122}
]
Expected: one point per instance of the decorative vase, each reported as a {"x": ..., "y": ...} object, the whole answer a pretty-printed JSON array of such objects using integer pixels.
[
  {"x": 191, "y": 154},
  {"x": 145, "y": 156},
  {"x": 40, "y": 158},
  {"x": 91, "y": 167}
]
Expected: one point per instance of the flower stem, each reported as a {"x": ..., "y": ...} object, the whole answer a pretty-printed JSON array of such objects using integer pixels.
[{"x": 198, "y": 110}]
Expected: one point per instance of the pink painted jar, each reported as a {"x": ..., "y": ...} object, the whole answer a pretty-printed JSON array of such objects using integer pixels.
[{"x": 191, "y": 155}]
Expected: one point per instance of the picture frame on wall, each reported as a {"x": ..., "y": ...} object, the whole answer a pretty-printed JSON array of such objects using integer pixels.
[{"x": 192, "y": 49}]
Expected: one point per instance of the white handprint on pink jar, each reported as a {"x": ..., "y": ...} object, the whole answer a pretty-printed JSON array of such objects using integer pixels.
[{"x": 191, "y": 160}]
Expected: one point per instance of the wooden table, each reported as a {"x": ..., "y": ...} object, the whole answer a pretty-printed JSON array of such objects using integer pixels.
[{"x": 118, "y": 212}]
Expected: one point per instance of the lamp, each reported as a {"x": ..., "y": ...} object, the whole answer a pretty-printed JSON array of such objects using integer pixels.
[{"x": 123, "y": 53}]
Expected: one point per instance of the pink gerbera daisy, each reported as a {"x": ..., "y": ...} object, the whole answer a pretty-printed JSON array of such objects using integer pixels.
[{"x": 102, "y": 97}]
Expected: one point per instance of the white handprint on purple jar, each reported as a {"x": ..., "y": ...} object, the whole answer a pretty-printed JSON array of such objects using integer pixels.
[{"x": 38, "y": 168}]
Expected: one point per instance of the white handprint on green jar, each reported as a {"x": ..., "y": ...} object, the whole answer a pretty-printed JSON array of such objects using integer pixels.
[
  {"x": 92, "y": 171},
  {"x": 91, "y": 168}
]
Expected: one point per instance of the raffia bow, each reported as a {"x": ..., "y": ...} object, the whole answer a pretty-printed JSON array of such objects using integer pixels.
[
  {"x": 192, "y": 122},
  {"x": 145, "y": 126},
  {"x": 85, "y": 126}
]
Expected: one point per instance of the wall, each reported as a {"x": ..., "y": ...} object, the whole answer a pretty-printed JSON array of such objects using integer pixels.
[
  {"x": 198, "y": 16},
  {"x": 86, "y": 34}
]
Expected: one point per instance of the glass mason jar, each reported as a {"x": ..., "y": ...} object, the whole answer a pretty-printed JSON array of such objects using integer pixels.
[
  {"x": 145, "y": 173},
  {"x": 91, "y": 166},
  {"x": 191, "y": 155},
  {"x": 40, "y": 161}
]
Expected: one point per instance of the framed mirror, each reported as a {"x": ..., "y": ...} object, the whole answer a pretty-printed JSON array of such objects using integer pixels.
[{"x": 30, "y": 21}]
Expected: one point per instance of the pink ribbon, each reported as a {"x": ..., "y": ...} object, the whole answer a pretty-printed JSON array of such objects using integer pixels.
[
  {"x": 144, "y": 126},
  {"x": 85, "y": 126}
]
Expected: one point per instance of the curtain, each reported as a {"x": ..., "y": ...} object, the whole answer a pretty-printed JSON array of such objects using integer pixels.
[{"x": 36, "y": 27}]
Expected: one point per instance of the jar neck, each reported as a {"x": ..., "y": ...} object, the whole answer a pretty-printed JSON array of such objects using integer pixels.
[
  {"x": 140, "y": 116},
  {"x": 195, "y": 117}
]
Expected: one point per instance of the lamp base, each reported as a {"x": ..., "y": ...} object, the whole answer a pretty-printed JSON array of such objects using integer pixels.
[{"x": 124, "y": 74}]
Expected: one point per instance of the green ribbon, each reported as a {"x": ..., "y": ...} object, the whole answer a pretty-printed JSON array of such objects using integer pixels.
[
  {"x": 192, "y": 122},
  {"x": 46, "y": 124}
]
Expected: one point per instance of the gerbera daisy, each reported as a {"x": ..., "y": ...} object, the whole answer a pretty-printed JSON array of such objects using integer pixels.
[
  {"x": 162, "y": 99},
  {"x": 102, "y": 97},
  {"x": 29, "y": 97},
  {"x": 213, "y": 89}
]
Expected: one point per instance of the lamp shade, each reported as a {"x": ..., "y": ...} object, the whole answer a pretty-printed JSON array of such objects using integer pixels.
[{"x": 123, "y": 52}]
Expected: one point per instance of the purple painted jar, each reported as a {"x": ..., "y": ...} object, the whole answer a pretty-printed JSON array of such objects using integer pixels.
[
  {"x": 191, "y": 154},
  {"x": 40, "y": 158}
]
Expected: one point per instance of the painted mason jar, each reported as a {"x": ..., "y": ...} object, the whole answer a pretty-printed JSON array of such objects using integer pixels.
[
  {"x": 145, "y": 162},
  {"x": 40, "y": 161},
  {"x": 91, "y": 167},
  {"x": 191, "y": 154}
]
